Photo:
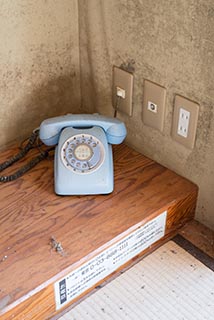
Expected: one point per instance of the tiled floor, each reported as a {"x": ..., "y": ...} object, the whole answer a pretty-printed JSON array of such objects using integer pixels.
[{"x": 168, "y": 284}]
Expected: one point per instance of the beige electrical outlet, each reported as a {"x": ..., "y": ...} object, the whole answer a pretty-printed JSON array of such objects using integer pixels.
[
  {"x": 154, "y": 105},
  {"x": 122, "y": 90},
  {"x": 185, "y": 119}
]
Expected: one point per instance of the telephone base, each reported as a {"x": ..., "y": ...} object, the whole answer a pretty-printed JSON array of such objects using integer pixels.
[
  {"x": 97, "y": 180},
  {"x": 91, "y": 184}
]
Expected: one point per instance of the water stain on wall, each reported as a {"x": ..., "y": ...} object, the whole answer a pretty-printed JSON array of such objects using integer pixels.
[
  {"x": 39, "y": 64},
  {"x": 172, "y": 44}
]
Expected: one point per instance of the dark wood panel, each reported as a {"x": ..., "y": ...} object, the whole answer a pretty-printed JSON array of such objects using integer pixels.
[{"x": 200, "y": 236}]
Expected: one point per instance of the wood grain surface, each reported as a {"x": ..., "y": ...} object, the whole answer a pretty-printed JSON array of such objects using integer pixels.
[{"x": 31, "y": 213}]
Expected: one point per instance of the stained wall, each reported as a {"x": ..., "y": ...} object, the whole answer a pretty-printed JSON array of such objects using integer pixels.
[
  {"x": 170, "y": 43},
  {"x": 39, "y": 63}
]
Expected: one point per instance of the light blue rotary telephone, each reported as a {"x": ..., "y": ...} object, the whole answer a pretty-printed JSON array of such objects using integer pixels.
[{"x": 83, "y": 157}]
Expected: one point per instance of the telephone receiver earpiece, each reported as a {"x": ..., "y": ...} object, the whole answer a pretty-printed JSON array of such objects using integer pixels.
[{"x": 50, "y": 128}]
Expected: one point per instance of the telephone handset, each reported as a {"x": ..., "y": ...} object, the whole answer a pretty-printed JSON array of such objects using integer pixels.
[{"x": 83, "y": 158}]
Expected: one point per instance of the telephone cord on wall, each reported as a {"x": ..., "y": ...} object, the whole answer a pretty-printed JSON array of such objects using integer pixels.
[{"x": 117, "y": 106}]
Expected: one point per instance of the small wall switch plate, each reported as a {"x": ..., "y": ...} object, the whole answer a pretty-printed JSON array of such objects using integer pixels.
[
  {"x": 154, "y": 105},
  {"x": 185, "y": 119},
  {"x": 124, "y": 81}
]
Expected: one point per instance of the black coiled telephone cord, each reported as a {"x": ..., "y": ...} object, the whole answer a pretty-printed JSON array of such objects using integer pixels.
[{"x": 32, "y": 143}]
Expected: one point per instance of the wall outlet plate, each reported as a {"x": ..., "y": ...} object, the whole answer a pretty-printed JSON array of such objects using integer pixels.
[
  {"x": 154, "y": 105},
  {"x": 124, "y": 80},
  {"x": 185, "y": 119}
]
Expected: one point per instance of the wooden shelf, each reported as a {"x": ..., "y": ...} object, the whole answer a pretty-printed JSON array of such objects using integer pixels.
[{"x": 31, "y": 213}]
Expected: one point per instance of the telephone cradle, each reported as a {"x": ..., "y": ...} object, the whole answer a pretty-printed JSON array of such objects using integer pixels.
[{"x": 83, "y": 162}]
